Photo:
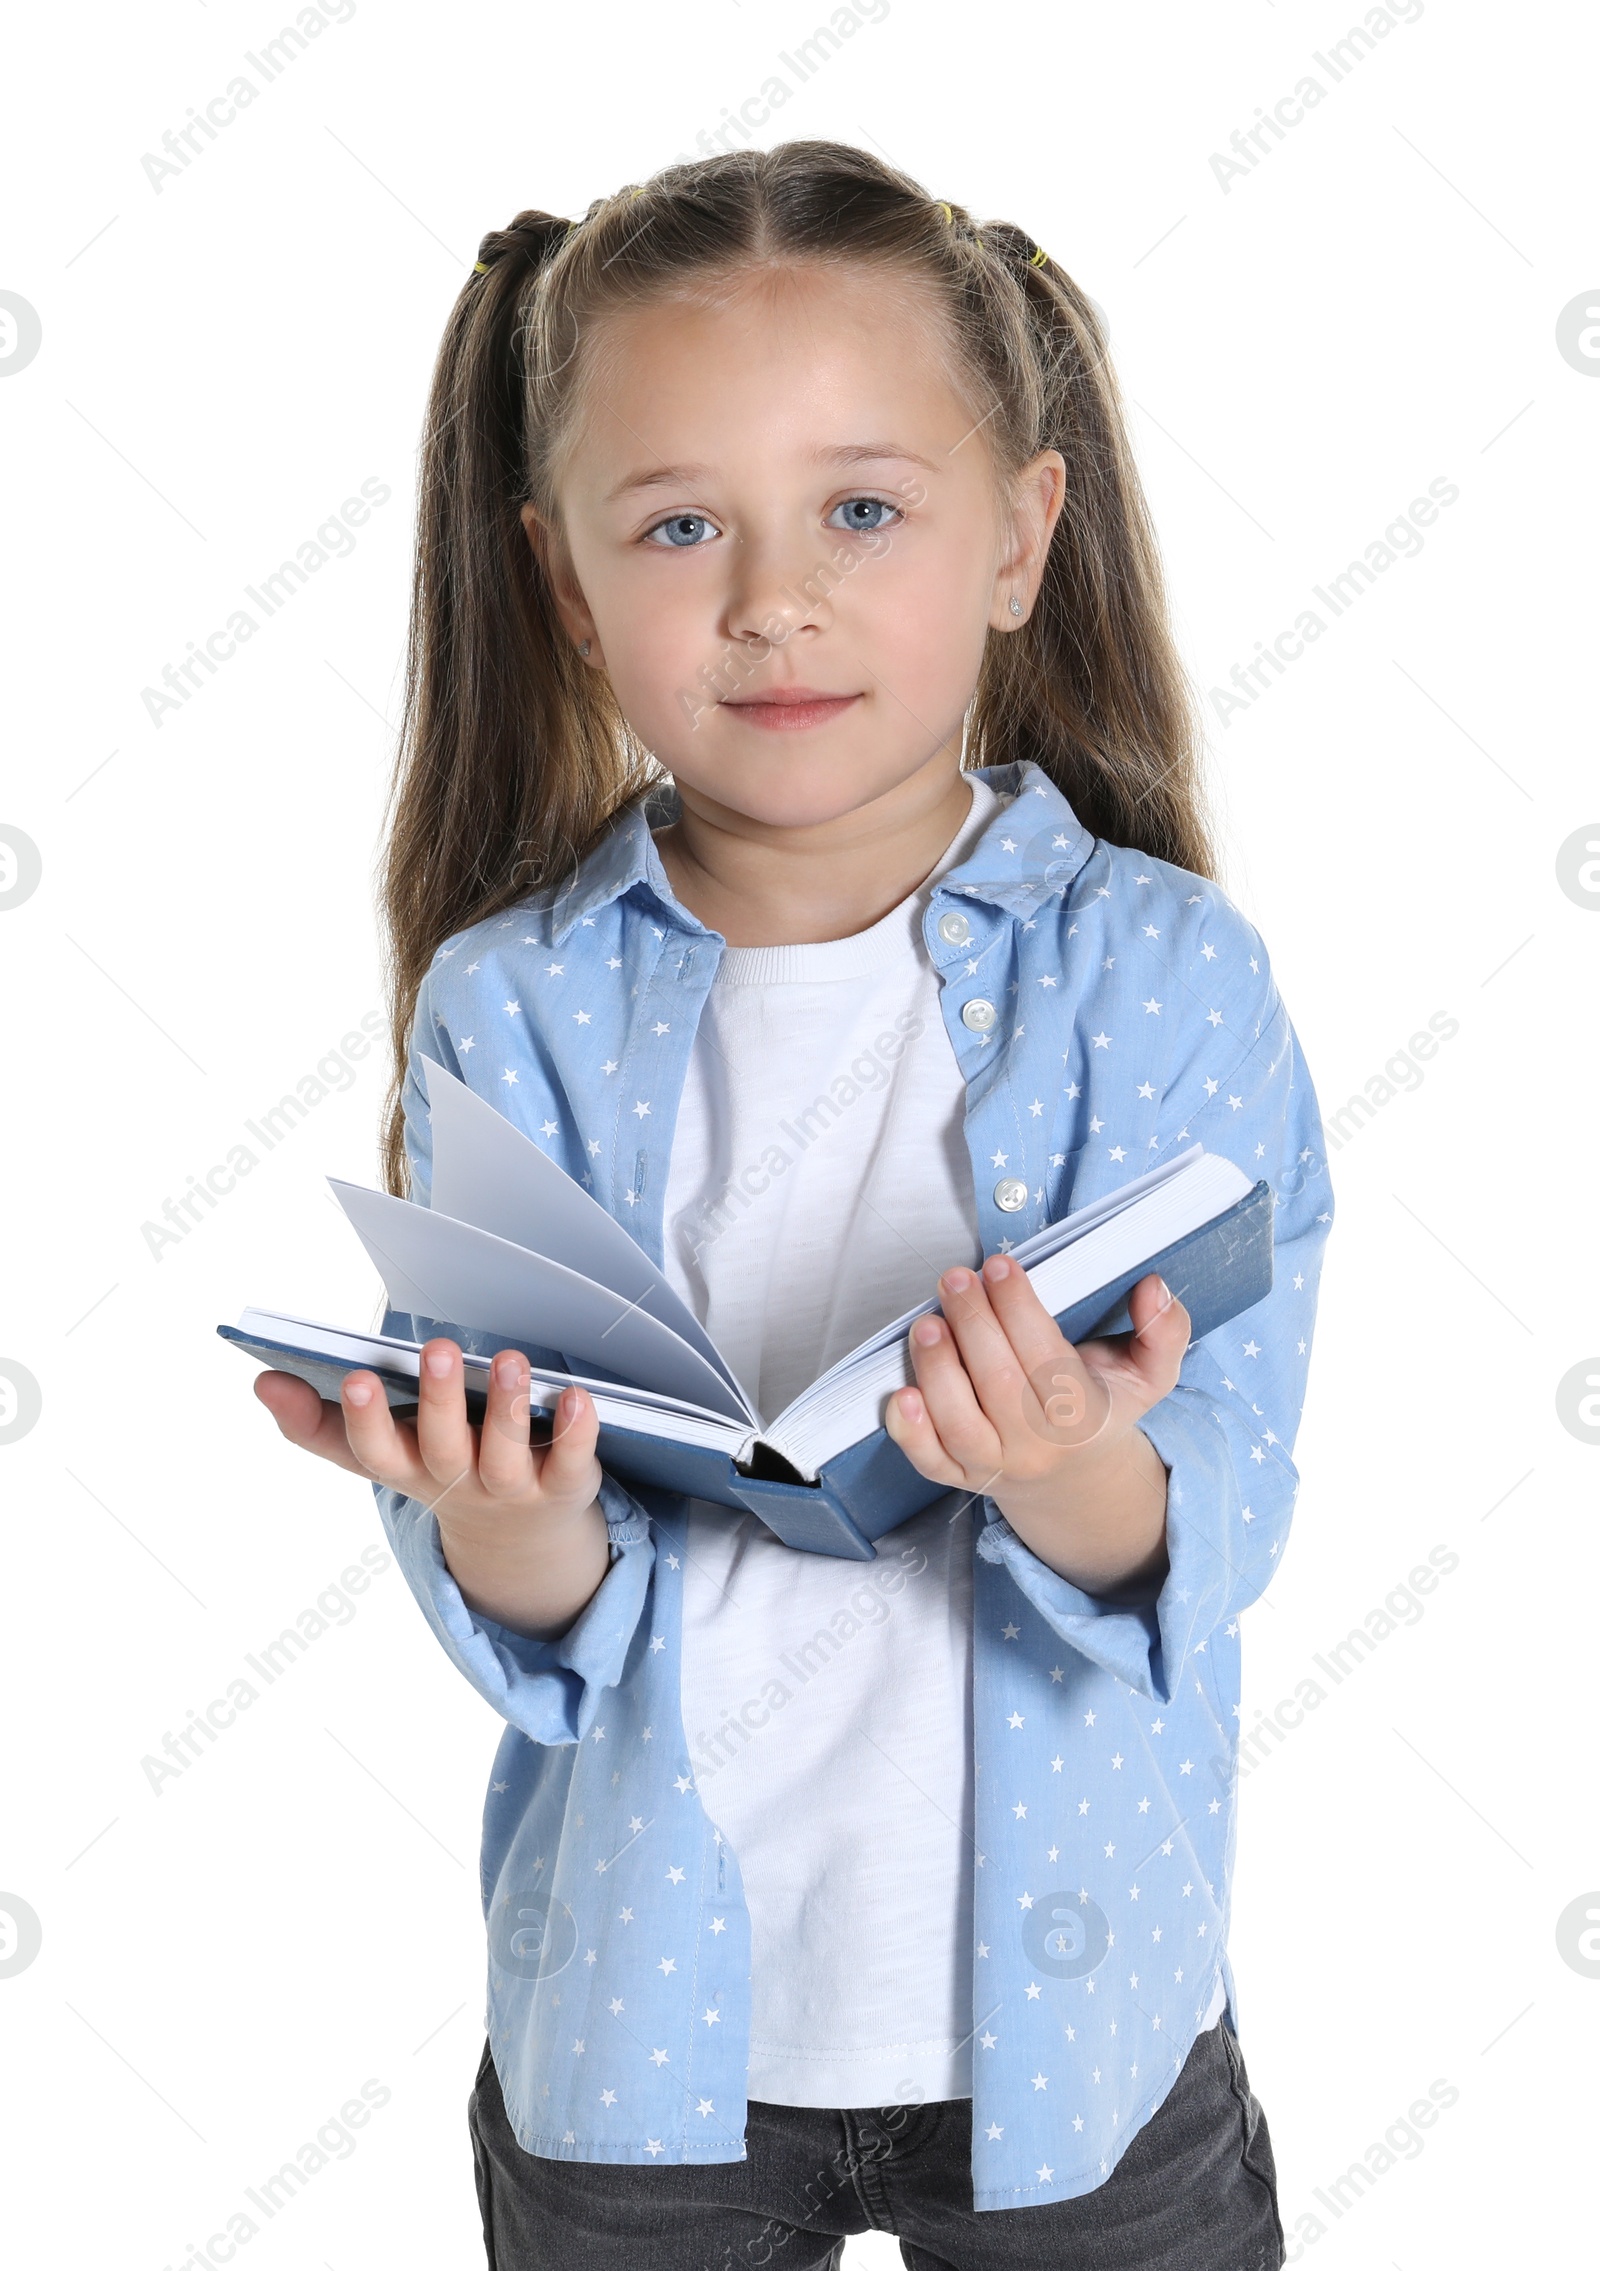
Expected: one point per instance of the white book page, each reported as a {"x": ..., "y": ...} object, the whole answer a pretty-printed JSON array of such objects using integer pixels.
[
  {"x": 847, "y": 1402},
  {"x": 435, "y": 1266},
  {"x": 1054, "y": 1238},
  {"x": 667, "y": 1416},
  {"x": 488, "y": 1173},
  {"x": 1055, "y": 1235}
]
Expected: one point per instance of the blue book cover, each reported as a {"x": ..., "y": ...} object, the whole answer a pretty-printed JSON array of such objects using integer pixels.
[{"x": 1217, "y": 1268}]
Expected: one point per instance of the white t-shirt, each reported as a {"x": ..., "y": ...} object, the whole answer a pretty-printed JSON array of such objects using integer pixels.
[{"x": 819, "y": 1183}]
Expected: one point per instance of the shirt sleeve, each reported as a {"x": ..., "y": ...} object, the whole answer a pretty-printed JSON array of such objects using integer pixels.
[
  {"x": 1226, "y": 1431},
  {"x": 550, "y": 1690}
]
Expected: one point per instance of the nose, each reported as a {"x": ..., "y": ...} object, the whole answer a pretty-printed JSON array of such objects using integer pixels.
[{"x": 783, "y": 588}]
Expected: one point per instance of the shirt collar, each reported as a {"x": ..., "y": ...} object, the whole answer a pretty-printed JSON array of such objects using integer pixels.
[{"x": 1030, "y": 850}]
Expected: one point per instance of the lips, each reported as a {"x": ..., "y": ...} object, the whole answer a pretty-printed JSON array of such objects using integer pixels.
[{"x": 791, "y": 708}]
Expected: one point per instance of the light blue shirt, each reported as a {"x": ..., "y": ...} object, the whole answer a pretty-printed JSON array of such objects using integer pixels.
[{"x": 1137, "y": 1014}]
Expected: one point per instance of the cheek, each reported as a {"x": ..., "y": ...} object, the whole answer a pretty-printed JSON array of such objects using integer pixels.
[
  {"x": 660, "y": 633},
  {"x": 925, "y": 612}
]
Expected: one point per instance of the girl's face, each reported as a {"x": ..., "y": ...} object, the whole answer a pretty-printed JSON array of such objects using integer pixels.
[{"x": 782, "y": 537}]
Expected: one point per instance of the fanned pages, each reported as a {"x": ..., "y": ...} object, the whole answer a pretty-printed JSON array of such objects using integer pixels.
[
  {"x": 438, "y": 1267},
  {"x": 514, "y": 1253},
  {"x": 486, "y": 1172}
]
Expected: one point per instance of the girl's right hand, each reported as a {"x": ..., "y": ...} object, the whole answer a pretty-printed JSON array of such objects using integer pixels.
[{"x": 520, "y": 1524}]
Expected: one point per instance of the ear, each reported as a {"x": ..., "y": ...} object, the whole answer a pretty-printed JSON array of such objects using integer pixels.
[
  {"x": 1037, "y": 496},
  {"x": 555, "y": 564}
]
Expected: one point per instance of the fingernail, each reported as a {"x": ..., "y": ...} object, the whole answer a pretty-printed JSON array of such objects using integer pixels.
[
  {"x": 957, "y": 1280},
  {"x": 996, "y": 1267},
  {"x": 1166, "y": 1290},
  {"x": 911, "y": 1403},
  {"x": 507, "y": 1371},
  {"x": 925, "y": 1331},
  {"x": 438, "y": 1361},
  {"x": 357, "y": 1392}
]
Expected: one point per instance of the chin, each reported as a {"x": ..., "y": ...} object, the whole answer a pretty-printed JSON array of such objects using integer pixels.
[{"x": 797, "y": 787}]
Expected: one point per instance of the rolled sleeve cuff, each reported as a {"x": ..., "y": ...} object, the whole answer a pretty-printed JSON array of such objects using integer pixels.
[
  {"x": 1147, "y": 1644},
  {"x": 1123, "y": 1640},
  {"x": 550, "y": 1690}
]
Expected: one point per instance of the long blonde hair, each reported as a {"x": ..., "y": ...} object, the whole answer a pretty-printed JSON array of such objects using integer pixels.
[{"x": 514, "y": 756}]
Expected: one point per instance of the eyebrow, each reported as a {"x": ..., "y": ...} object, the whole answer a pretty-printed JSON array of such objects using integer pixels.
[
  {"x": 848, "y": 453},
  {"x": 857, "y": 453}
]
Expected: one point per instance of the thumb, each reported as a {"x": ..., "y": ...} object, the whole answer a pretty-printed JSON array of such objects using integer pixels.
[{"x": 1160, "y": 1337}]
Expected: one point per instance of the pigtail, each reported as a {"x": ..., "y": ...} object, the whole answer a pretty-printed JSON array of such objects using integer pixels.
[
  {"x": 512, "y": 753},
  {"x": 1091, "y": 689}
]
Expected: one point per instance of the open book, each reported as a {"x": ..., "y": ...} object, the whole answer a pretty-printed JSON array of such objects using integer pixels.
[{"x": 512, "y": 1253}]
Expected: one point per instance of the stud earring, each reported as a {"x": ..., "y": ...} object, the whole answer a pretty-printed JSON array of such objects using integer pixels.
[
  {"x": 1016, "y": 605},
  {"x": 583, "y": 646}
]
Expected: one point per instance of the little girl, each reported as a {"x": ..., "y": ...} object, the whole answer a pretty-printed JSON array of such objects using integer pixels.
[{"x": 798, "y": 835}]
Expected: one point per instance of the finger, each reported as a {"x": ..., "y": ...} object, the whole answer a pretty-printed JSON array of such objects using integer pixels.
[
  {"x": 906, "y": 1422},
  {"x": 306, "y": 1419},
  {"x": 568, "y": 1468},
  {"x": 1062, "y": 1402},
  {"x": 505, "y": 1463},
  {"x": 1057, "y": 1403},
  {"x": 444, "y": 1436},
  {"x": 384, "y": 1450},
  {"x": 992, "y": 1365},
  {"x": 1027, "y": 1324},
  {"x": 965, "y": 1429}
]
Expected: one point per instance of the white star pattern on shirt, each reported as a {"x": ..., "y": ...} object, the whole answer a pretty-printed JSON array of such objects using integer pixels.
[{"x": 1178, "y": 994}]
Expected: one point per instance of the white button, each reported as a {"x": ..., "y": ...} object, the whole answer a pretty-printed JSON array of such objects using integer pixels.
[
  {"x": 978, "y": 1016},
  {"x": 1010, "y": 1193},
  {"x": 954, "y": 929}
]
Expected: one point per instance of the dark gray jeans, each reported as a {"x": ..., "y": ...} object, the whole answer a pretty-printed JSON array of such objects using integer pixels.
[{"x": 1195, "y": 2191}]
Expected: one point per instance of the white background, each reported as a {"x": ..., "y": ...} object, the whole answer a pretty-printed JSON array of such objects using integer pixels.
[{"x": 1371, "y": 307}]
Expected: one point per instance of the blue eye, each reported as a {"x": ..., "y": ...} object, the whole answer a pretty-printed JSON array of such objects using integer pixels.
[
  {"x": 682, "y": 531},
  {"x": 856, "y": 509}
]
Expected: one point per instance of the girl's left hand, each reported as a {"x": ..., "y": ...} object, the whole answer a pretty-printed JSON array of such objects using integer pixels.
[{"x": 1006, "y": 1406}]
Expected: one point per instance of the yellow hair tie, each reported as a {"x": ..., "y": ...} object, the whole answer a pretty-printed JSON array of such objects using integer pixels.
[
  {"x": 1038, "y": 257},
  {"x": 950, "y": 219},
  {"x": 480, "y": 268}
]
